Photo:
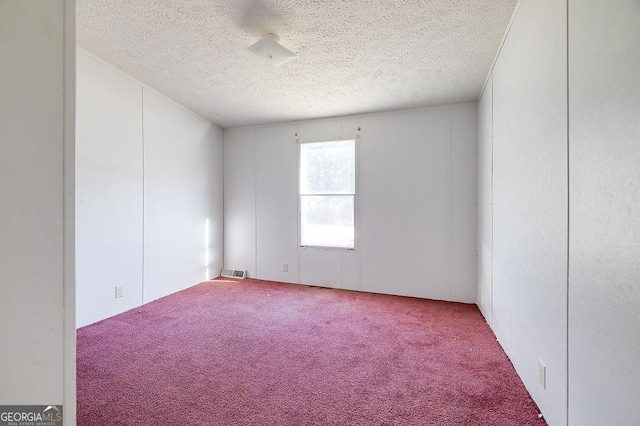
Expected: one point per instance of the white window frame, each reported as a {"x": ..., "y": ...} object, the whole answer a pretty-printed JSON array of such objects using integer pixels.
[{"x": 356, "y": 203}]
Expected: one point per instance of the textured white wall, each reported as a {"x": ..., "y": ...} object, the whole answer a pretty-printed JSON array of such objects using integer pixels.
[
  {"x": 149, "y": 177},
  {"x": 37, "y": 360},
  {"x": 463, "y": 228},
  {"x": 276, "y": 197},
  {"x": 485, "y": 200},
  {"x": 108, "y": 191},
  {"x": 182, "y": 192},
  {"x": 240, "y": 200},
  {"x": 530, "y": 190},
  {"x": 530, "y": 200},
  {"x": 416, "y": 204},
  {"x": 405, "y": 205},
  {"x": 604, "y": 270},
  {"x": 408, "y": 218},
  {"x": 537, "y": 129}
]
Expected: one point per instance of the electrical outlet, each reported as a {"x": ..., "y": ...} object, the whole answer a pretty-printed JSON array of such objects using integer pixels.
[
  {"x": 542, "y": 374},
  {"x": 285, "y": 267},
  {"x": 118, "y": 291}
]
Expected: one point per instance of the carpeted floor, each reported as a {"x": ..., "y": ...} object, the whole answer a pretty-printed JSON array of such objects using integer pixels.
[{"x": 264, "y": 353}]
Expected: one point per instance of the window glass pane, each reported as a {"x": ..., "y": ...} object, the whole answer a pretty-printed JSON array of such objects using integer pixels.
[
  {"x": 328, "y": 167},
  {"x": 327, "y": 221}
]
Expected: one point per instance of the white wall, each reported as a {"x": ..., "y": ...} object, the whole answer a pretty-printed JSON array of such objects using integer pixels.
[
  {"x": 276, "y": 189},
  {"x": 566, "y": 271},
  {"x": 463, "y": 213},
  {"x": 37, "y": 360},
  {"x": 415, "y": 204},
  {"x": 182, "y": 198},
  {"x": 108, "y": 191},
  {"x": 604, "y": 269},
  {"x": 240, "y": 200},
  {"x": 530, "y": 200},
  {"x": 485, "y": 200},
  {"x": 149, "y": 178}
]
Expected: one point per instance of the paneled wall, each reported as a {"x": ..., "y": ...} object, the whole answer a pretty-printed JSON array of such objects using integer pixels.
[
  {"x": 485, "y": 200},
  {"x": 522, "y": 239},
  {"x": 604, "y": 262},
  {"x": 530, "y": 200},
  {"x": 37, "y": 335},
  {"x": 109, "y": 199},
  {"x": 240, "y": 201},
  {"x": 149, "y": 193},
  {"x": 558, "y": 237},
  {"x": 275, "y": 198},
  {"x": 415, "y": 212},
  {"x": 182, "y": 198}
]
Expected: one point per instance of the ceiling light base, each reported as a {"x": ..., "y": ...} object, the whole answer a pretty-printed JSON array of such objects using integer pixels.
[{"x": 271, "y": 51}]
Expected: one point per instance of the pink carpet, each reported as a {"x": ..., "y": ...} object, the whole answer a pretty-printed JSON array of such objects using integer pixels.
[{"x": 264, "y": 353}]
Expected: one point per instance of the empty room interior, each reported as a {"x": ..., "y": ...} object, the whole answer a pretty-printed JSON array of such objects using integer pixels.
[{"x": 303, "y": 212}]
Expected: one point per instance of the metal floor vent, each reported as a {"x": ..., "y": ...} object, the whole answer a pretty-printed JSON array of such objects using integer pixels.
[{"x": 233, "y": 273}]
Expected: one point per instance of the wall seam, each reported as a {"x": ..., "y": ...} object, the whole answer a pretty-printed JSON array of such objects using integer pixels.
[
  {"x": 143, "y": 193},
  {"x": 255, "y": 202},
  {"x": 358, "y": 228},
  {"x": 568, "y": 210},
  {"x": 298, "y": 224},
  {"x": 223, "y": 257},
  {"x": 491, "y": 205},
  {"x": 450, "y": 202}
]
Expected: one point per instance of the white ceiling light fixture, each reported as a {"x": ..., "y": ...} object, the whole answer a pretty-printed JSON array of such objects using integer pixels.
[{"x": 271, "y": 51}]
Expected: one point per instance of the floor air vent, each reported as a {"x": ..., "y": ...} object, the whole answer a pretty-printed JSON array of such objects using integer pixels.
[{"x": 233, "y": 273}]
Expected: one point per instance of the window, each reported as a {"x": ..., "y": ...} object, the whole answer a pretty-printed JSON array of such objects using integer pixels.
[{"x": 327, "y": 194}]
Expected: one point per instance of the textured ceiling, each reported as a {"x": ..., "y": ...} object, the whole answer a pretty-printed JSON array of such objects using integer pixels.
[{"x": 354, "y": 56}]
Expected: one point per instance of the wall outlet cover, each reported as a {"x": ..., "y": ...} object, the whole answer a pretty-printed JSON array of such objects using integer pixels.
[{"x": 542, "y": 374}]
